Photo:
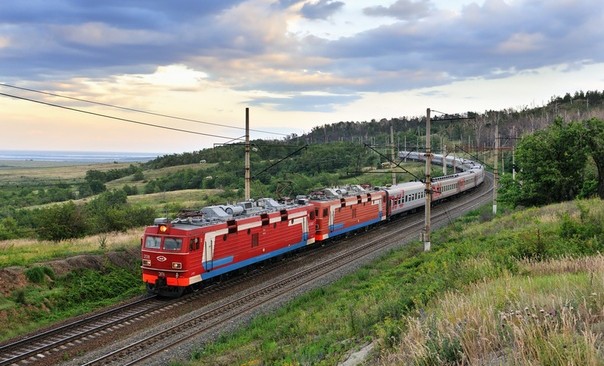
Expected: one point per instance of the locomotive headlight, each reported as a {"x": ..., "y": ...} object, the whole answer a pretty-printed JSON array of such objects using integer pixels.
[
  {"x": 176, "y": 265},
  {"x": 146, "y": 262},
  {"x": 163, "y": 224}
]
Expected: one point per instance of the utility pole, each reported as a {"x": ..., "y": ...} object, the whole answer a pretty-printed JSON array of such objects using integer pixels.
[
  {"x": 392, "y": 154},
  {"x": 247, "y": 154},
  {"x": 514, "y": 156},
  {"x": 495, "y": 169},
  {"x": 445, "y": 160},
  {"x": 454, "y": 159},
  {"x": 428, "y": 184}
]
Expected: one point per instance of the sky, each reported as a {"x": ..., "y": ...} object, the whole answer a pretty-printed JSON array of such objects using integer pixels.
[{"x": 65, "y": 65}]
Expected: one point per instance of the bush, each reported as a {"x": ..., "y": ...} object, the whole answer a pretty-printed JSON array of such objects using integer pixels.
[
  {"x": 39, "y": 273},
  {"x": 8, "y": 228},
  {"x": 61, "y": 222}
]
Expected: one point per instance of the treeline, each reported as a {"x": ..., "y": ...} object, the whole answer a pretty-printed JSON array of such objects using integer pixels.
[
  {"x": 593, "y": 97},
  {"x": 262, "y": 149},
  {"x": 107, "y": 212},
  {"x": 305, "y": 165}
]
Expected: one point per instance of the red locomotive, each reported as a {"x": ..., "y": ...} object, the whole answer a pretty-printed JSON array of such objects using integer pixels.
[
  {"x": 199, "y": 245},
  {"x": 219, "y": 239}
]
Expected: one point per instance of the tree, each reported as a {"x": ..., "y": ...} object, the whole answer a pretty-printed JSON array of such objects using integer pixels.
[
  {"x": 95, "y": 175},
  {"x": 138, "y": 175},
  {"x": 61, "y": 222},
  {"x": 97, "y": 186},
  {"x": 9, "y": 228},
  {"x": 551, "y": 164}
]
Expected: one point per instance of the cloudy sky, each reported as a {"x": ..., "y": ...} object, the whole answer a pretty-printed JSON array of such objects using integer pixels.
[{"x": 295, "y": 63}]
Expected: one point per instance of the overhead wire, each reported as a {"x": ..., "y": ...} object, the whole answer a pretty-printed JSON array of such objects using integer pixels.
[
  {"x": 117, "y": 118},
  {"x": 136, "y": 110}
]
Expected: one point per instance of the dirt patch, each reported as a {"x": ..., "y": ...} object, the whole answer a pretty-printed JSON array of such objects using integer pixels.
[{"x": 11, "y": 279}]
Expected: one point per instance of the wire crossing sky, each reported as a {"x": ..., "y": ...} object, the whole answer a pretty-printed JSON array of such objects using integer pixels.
[{"x": 306, "y": 64}]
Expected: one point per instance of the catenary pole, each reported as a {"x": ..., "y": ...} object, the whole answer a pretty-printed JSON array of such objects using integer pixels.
[
  {"x": 392, "y": 154},
  {"x": 495, "y": 169},
  {"x": 428, "y": 184},
  {"x": 247, "y": 154}
]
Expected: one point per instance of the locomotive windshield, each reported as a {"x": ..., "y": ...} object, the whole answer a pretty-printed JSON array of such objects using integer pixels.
[
  {"x": 171, "y": 244},
  {"x": 152, "y": 242}
]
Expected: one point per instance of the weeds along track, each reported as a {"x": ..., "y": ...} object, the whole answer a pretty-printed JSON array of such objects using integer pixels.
[
  {"x": 210, "y": 320},
  {"x": 73, "y": 337}
]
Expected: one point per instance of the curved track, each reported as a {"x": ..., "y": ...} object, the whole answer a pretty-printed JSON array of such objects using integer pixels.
[
  {"x": 209, "y": 321},
  {"x": 214, "y": 308}
]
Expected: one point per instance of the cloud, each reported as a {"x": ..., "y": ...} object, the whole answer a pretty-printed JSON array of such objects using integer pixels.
[
  {"x": 304, "y": 102},
  {"x": 248, "y": 46},
  {"x": 321, "y": 10},
  {"x": 402, "y": 9}
]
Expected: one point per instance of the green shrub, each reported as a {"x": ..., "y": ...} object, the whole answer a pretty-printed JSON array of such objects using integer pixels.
[{"x": 38, "y": 274}]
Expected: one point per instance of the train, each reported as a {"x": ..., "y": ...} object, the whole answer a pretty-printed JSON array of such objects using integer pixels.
[{"x": 201, "y": 245}]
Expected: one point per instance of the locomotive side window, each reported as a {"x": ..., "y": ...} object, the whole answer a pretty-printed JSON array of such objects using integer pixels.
[
  {"x": 325, "y": 212},
  {"x": 152, "y": 242},
  {"x": 194, "y": 244},
  {"x": 255, "y": 240},
  {"x": 172, "y": 244}
]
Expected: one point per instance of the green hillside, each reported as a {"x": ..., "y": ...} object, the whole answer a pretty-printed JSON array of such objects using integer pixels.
[{"x": 523, "y": 288}]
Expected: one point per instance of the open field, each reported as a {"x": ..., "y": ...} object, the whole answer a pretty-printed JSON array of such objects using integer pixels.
[
  {"x": 25, "y": 252},
  {"x": 169, "y": 202},
  {"x": 17, "y": 172}
]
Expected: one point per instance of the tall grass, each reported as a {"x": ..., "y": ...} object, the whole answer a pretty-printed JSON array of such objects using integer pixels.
[
  {"x": 553, "y": 316},
  {"x": 476, "y": 298},
  {"x": 23, "y": 252}
]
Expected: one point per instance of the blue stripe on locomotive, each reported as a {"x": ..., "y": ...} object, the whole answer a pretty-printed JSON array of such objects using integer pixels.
[
  {"x": 336, "y": 230},
  {"x": 247, "y": 262}
]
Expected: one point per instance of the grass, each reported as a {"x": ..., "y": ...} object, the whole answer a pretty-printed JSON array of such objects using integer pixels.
[
  {"x": 54, "y": 299},
  {"x": 24, "y": 252},
  {"x": 446, "y": 306},
  {"x": 14, "y": 172},
  {"x": 192, "y": 198},
  {"x": 551, "y": 315},
  {"x": 45, "y": 297}
]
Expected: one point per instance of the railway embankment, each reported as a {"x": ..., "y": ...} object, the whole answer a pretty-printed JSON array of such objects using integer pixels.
[
  {"x": 530, "y": 282},
  {"x": 524, "y": 287}
]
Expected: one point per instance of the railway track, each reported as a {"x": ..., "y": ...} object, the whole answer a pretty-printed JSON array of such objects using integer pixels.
[
  {"x": 42, "y": 345},
  {"x": 158, "y": 342},
  {"x": 47, "y": 347}
]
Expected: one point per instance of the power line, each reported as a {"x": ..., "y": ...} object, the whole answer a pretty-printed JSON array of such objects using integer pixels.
[
  {"x": 116, "y": 118},
  {"x": 136, "y": 110}
]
